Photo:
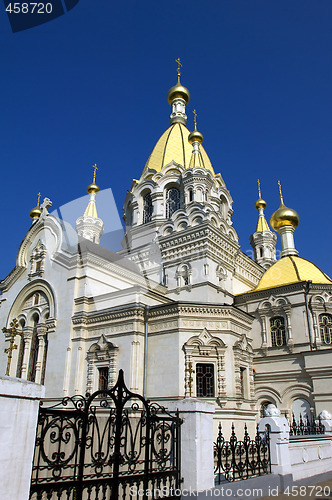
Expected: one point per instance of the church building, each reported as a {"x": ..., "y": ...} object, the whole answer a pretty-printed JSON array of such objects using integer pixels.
[{"x": 181, "y": 308}]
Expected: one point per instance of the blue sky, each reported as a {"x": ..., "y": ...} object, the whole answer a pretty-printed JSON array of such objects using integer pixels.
[{"x": 90, "y": 87}]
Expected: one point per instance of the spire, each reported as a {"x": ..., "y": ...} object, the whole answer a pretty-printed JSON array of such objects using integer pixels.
[
  {"x": 93, "y": 189},
  {"x": 260, "y": 205},
  {"x": 35, "y": 213},
  {"x": 285, "y": 220},
  {"x": 196, "y": 138},
  {"x": 90, "y": 226},
  {"x": 178, "y": 96},
  {"x": 263, "y": 241}
]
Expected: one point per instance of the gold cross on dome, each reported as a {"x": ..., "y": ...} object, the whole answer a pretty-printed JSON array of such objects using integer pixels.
[
  {"x": 195, "y": 118},
  {"x": 179, "y": 66},
  {"x": 39, "y": 195},
  {"x": 259, "y": 188},
  {"x": 281, "y": 197},
  {"x": 95, "y": 168}
]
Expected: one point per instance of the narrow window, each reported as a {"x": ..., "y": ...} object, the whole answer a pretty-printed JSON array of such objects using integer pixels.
[
  {"x": 325, "y": 328},
  {"x": 191, "y": 196},
  {"x": 34, "y": 352},
  {"x": 278, "y": 331},
  {"x": 243, "y": 381},
  {"x": 38, "y": 266},
  {"x": 172, "y": 201},
  {"x": 204, "y": 380},
  {"x": 147, "y": 208},
  {"x": 36, "y": 299},
  {"x": 103, "y": 379}
]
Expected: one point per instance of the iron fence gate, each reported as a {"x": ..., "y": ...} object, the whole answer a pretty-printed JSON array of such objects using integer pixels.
[{"x": 111, "y": 445}]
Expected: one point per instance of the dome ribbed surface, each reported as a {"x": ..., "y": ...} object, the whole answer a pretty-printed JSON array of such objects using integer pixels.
[{"x": 173, "y": 145}]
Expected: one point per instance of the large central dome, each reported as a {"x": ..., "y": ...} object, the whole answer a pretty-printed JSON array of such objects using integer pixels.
[{"x": 173, "y": 145}]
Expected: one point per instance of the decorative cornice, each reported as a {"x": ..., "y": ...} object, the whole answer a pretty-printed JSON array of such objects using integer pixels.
[{"x": 128, "y": 312}]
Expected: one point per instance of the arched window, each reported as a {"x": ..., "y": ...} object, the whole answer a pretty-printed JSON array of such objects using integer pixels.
[
  {"x": 278, "y": 331},
  {"x": 147, "y": 208},
  {"x": 325, "y": 327},
  {"x": 172, "y": 201},
  {"x": 21, "y": 351},
  {"x": 34, "y": 351},
  {"x": 191, "y": 195}
]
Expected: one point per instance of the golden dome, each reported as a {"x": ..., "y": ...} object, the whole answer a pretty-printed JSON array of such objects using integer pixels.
[
  {"x": 195, "y": 136},
  {"x": 260, "y": 204},
  {"x": 174, "y": 146},
  {"x": 291, "y": 269},
  {"x": 93, "y": 188},
  {"x": 35, "y": 213},
  {"x": 284, "y": 217},
  {"x": 178, "y": 91}
]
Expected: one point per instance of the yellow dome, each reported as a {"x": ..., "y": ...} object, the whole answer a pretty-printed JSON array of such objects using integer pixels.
[
  {"x": 35, "y": 213},
  {"x": 93, "y": 188},
  {"x": 284, "y": 217},
  {"x": 173, "y": 145},
  {"x": 260, "y": 204},
  {"x": 178, "y": 91},
  {"x": 291, "y": 269},
  {"x": 195, "y": 136}
]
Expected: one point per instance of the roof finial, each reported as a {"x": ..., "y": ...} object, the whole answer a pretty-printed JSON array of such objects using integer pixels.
[
  {"x": 195, "y": 119},
  {"x": 93, "y": 188},
  {"x": 35, "y": 213},
  {"x": 94, "y": 173},
  {"x": 179, "y": 67},
  {"x": 281, "y": 197},
  {"x": 259, "y": 189}
]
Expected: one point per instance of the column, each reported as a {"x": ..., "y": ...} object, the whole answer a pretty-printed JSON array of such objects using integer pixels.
[
  {"x": 27, "y": 332},
  {"x": 41, "y": 333}
]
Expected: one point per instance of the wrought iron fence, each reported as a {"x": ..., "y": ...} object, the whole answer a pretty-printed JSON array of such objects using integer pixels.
[
  {"x": 305, "y": 426},
  {"x": 236, "y": 460},
  {"x": 113, "y": 444}
]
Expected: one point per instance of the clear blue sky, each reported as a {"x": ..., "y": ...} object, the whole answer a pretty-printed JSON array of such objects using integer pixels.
[{"x": 91, "y": 87}]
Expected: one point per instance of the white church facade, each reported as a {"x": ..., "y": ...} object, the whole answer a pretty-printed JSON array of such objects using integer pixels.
[{"x": 181, "y": 309}]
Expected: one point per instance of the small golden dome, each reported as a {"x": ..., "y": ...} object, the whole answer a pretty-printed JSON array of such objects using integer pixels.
[
  {"x": 93, "y": 188},
  {"x": 178, "y": 91},
  {"x": 195, "y": 136},
  {"x": 260, "y": 204},
  {"x": 284, "y": 216},
  {"x": 35, "y": 213}
]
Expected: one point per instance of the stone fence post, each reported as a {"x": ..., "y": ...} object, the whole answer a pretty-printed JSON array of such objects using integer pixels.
[
  {"x": 279, "y": 440},
  {"x": 19, "y": 406},
  {"x": 197, "y": 463},
  {"x": 326, "y": 420}
]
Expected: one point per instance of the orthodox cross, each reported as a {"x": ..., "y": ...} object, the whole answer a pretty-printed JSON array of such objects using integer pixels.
[
  {"x": 39, "y": 195},
  {"x": 13, "y": 331},
  {"x": 94, "y": 173},
  {"x": 179, "y": 66},
  {"x": 281, "y": 197},
  {"x": 259, "y": 188},
  {"x": 190, "y": 371},
  {"x": 195, "y": 119}
]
